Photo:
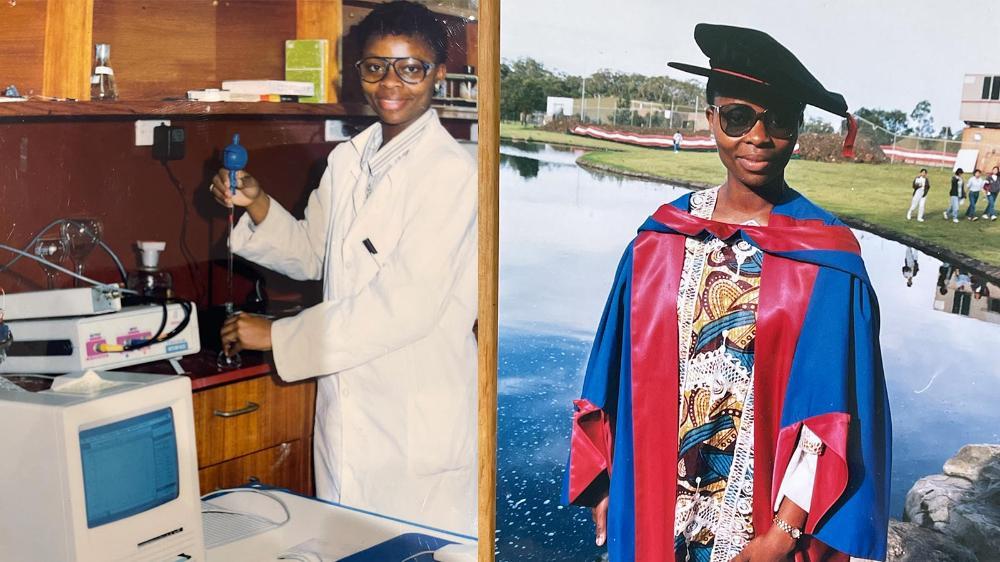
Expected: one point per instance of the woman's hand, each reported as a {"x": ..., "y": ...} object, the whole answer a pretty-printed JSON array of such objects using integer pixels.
[
  {"x": 600, "y": 515},
  {"x": 248, "y": 194},
  {"x": 774, "y": 546},
  {"x": 246, "y": 331},
  {"x": 247, "y": 189}
]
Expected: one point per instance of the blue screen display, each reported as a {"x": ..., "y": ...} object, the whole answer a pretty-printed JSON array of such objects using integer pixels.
[{"x": 129, "y": 466}]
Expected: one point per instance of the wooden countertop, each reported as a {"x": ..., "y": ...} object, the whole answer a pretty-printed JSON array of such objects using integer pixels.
[{"x": 203, "y": 372}]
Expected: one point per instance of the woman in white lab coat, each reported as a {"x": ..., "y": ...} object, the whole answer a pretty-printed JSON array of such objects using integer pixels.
[{"x": 391, "y": 230}]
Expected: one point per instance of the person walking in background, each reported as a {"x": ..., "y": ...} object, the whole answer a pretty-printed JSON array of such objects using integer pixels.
[
  {"x": 944, "y": 274},
  {"x": 974, "y": 188},
  {"x": 678, "y": 137},
  {"x": 992, "y": 188},
  {"x": 963, "y": 281},
  {"x": 955, "y": 196},
  {"x": 921, "y": 187},
  {"x": 910, "y": 266}
]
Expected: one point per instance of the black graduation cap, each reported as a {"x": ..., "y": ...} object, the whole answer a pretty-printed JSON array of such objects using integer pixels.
[{"x": 752, "y": 56}]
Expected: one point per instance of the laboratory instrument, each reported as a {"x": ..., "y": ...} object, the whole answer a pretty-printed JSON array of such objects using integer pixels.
[
  {"x": 81, "y": 236},
  {"x": 149, "y": 280},
  {"x": 98, "y": 467},
  {"x": 234, "y": 159},
  {"x": 59, "y": 345},
  {"x": 77, "y": 301},
  {"x": 53, "y": 249}
]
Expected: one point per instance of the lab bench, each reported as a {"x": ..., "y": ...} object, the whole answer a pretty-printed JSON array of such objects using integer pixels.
[
  {"x": 326, "y": 531},
  {"x": 250, "y": 425}
]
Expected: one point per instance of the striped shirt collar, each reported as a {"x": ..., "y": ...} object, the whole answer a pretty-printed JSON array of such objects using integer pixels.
[{"x": 377, "y": 160}]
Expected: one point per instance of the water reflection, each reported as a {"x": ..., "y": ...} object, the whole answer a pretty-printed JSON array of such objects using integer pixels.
[
  {"x": 527, "y": 168},
  {"x": 910, "y": 266},
  {"x": 964, "y": 293},
  {"x": 562, "y": 233},
  {"x": 527, "y": 158}
]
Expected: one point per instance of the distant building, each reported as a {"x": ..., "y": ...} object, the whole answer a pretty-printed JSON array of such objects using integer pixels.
[
  {"x": 981, "y": 112},
  {"x": 605, "y": 110},
  {"x": 556, "y": 107}
]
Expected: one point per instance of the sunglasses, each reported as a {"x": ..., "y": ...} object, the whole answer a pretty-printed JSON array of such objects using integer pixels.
[
  {"x": 408, "y": 69},
  {"x": 737, "y": 119}
]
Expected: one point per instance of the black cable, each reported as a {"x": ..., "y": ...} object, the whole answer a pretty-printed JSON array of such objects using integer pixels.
[
  {"x": 193, "y": 270},
  {"x": 158, "y": 337}
]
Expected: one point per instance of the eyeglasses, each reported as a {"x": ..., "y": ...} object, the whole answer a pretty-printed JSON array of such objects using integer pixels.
[
  {"x": 737, "y": 119},
  {"x": 408, "y": 69}
]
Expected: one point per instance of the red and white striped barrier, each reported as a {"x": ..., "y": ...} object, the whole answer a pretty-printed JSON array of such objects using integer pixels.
[
  {"x": 651, "y": 141},
  {"x": 920, "y": 157}
]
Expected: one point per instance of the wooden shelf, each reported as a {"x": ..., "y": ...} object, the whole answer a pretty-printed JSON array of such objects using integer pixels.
[
  {"x": 466, "y": 113},
  {"x": 61, "y": 110},
  {"x": 73, "y": 109}
]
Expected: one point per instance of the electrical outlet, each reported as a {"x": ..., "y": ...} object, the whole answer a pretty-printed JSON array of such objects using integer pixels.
[{"x": 144, "y": 131}]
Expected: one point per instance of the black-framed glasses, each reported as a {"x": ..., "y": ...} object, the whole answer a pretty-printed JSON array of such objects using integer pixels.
[
  {"x": 737, "y": 119},
  {"x": 408, "y": 69}
]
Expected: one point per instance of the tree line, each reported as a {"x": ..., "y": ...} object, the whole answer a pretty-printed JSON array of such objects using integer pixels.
[{"x": 526, "y": 83}]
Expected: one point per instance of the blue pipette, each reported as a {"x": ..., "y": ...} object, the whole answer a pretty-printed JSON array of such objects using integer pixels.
[{"x": 234, "y": 159}]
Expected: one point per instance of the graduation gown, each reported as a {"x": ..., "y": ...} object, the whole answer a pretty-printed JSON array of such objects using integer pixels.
[{"x": 818, "y": 364}]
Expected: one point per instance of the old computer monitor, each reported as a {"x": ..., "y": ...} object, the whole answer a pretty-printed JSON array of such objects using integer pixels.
[{"x": 98, "y": 468}]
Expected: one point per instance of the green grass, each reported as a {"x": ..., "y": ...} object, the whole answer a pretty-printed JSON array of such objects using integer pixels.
[
  {"x": 878, "y": 194},
  {"x": 517, "y": 132}
]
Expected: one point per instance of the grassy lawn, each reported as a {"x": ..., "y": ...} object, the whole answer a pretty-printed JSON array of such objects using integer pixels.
[
  {"x": 879, "y": 194},
  {"x": 517, "y": 132}
]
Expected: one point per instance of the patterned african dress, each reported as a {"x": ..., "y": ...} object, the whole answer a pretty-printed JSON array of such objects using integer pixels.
[{"x": 717, "y": 312}]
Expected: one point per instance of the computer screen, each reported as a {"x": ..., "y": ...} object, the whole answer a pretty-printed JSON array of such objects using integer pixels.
[{"x": 129, "y": 466}]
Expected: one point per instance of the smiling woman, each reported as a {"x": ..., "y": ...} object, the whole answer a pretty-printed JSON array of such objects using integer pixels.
[
  {"x": 734, "y": 406},
  {"x": 402, "y": 58},
  {"x": 391, "y": 230},
  {"x": 754, "y": 145}
]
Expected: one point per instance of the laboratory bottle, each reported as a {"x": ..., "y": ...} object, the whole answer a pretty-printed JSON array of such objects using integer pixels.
[
  {"x": 148, "y": 280},
  {"x": 102, "y": 83}
]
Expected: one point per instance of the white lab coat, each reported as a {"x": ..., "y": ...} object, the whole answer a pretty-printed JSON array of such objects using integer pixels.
[{"x": 392, "y": 340}]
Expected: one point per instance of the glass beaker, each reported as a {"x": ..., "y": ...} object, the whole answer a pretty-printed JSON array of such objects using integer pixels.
[
  {"x": 225, "y": 360},
  {"x": 53, "y": 249},
  {"x": 80, "y": 237}
]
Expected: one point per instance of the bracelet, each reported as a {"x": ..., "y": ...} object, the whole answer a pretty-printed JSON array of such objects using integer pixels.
[{"x": 793, "y": 532}]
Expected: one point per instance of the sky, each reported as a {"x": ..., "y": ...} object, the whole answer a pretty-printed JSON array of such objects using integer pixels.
[{"x": 886, "y": 54}]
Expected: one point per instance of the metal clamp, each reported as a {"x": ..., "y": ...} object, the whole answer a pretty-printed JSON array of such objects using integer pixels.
[{"x": 249, "y": 408}]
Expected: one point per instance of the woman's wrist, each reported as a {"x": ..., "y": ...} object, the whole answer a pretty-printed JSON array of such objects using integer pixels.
[
  {"x": 781, "y": 539},
  {"x": 259, "y": 207}
]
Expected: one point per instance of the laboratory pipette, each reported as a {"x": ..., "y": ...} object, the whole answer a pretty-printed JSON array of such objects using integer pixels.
[{"x": 234, "y": 159}]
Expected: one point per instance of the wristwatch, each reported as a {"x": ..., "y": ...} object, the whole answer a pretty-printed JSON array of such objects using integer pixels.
[{"x": 793, "y": 532}]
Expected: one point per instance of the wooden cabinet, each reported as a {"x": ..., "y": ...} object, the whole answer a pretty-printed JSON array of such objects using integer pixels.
[
  {"x": 158, "y": 49},
  {"x": 260, "y": 428},
  {"x": 286, "y": 465}
]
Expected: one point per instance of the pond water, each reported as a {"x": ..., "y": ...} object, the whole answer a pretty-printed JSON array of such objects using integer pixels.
[{"x": 562, "y": 231}]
